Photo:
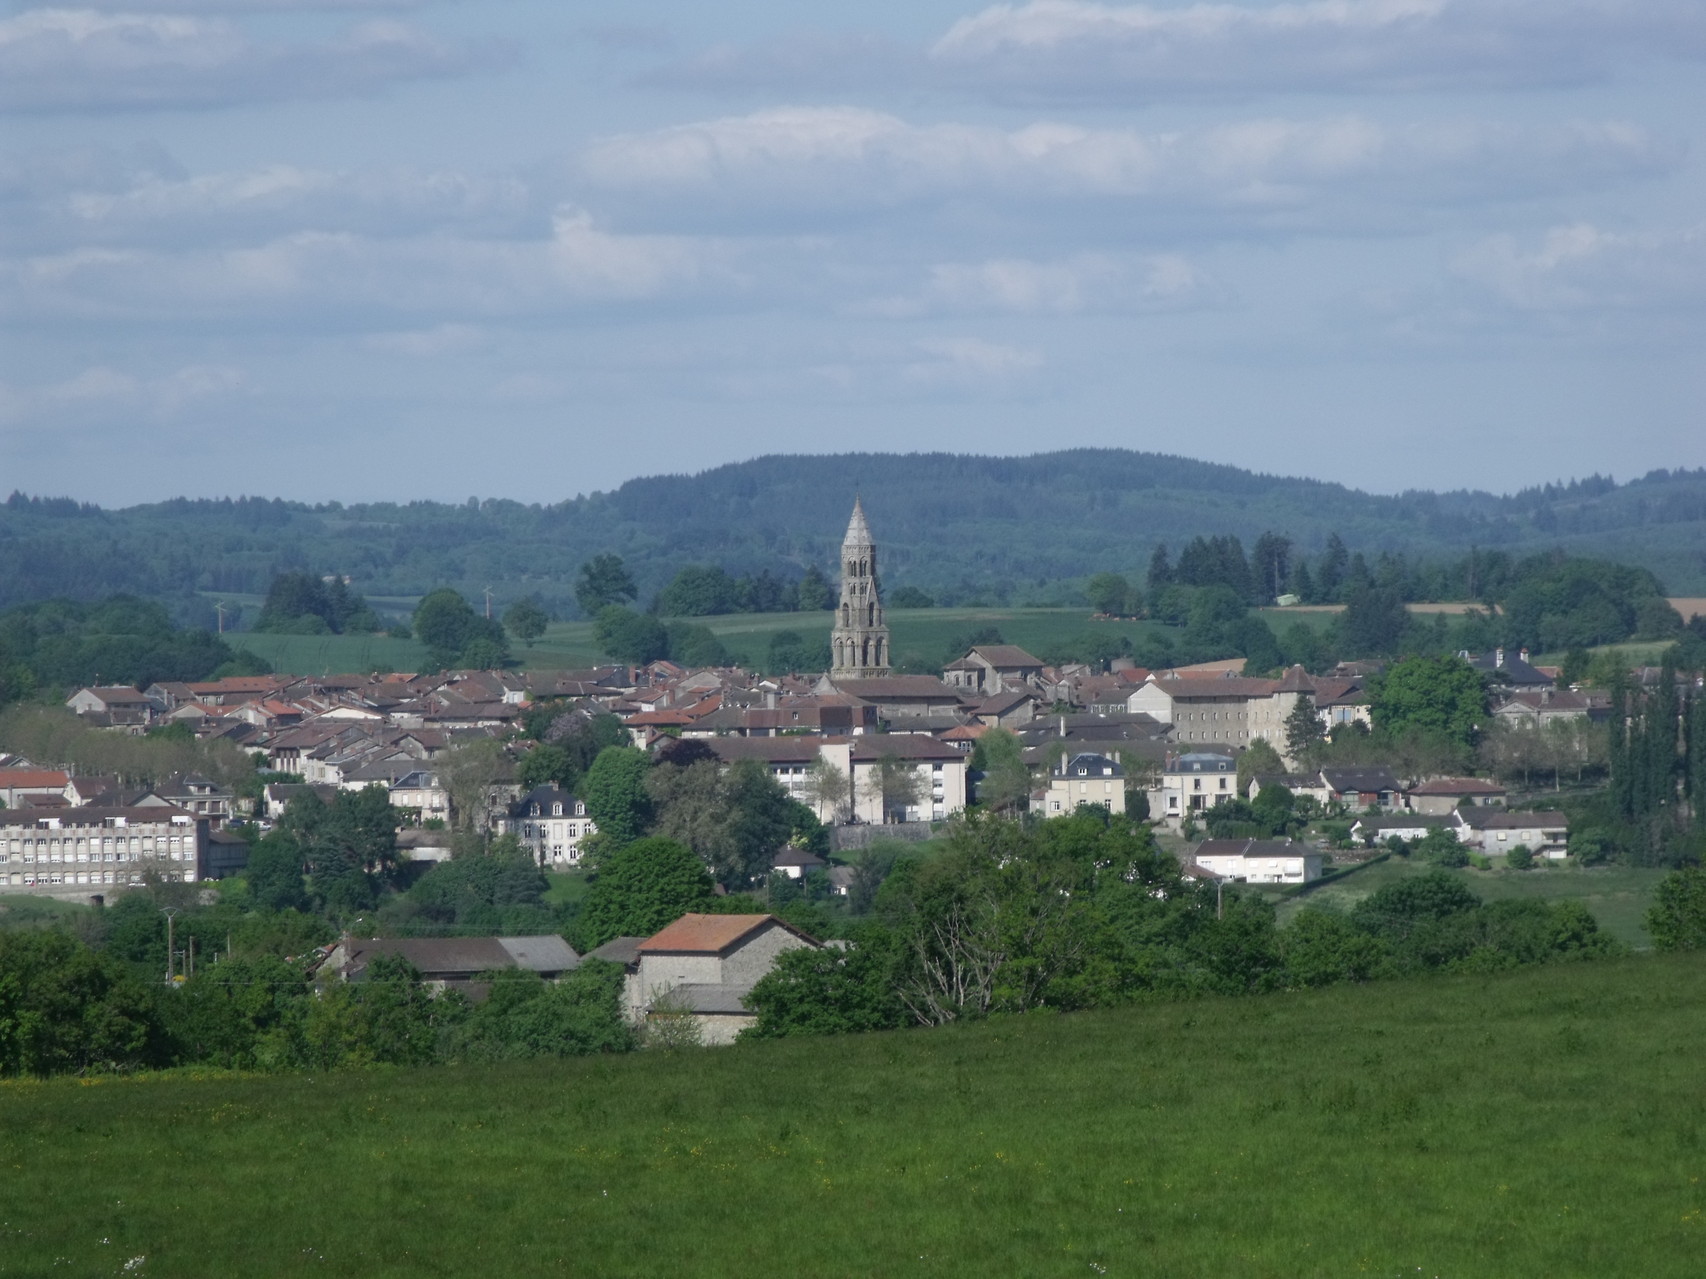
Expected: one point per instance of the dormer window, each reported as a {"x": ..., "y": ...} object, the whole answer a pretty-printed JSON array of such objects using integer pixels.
[
  {"x": 580, "y": 810},
  {"x": 557, "y": 810},
  {"x": 535, "y": 812}
]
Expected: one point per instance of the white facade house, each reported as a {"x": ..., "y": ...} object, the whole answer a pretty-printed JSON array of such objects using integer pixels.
[
  {"x": 1260, "y": 861},
  {"x": 551, "y": 822},
  {"x": 1085, "y": 779},
  {"x": 1494, "y": 830},
  {"x": 1191, "y": 783},
  {"x": 938, "y": 769}
]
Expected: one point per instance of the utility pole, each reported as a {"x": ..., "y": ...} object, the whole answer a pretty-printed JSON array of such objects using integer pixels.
[
  {"x": 170, "y": 912},
  {"x": 488, "y": 603},
  {"x": 220, "y": 610}
]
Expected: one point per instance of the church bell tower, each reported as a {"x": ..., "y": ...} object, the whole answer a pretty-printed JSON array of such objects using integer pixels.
[{"x": 859, "y": 644}]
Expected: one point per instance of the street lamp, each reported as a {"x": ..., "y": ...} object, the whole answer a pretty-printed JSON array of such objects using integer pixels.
[{"x": 170, "y": 912}]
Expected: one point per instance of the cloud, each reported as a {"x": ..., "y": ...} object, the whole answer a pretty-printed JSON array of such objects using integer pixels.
[
  {"x": 247, "y": 6},
  {"x": 970, "y": 362},
  {"x": 440, "y": 340},
  {"x": 101, "y": 392},
  {"x": 1084, "y": 282},
  {"x": 82, "y": 59},
  {"x": 1582, "y": 268},
  {"x": 577, "y": 264},
  {"x": 98, "y": 196},
  {"x": 839, "y": 162},
  {"x": 1064, "y": 50}
]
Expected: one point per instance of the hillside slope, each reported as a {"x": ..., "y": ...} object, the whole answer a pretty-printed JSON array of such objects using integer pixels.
[
  {"x": 966, "y": 527},
  {"x": 1546, "y": 1122}
]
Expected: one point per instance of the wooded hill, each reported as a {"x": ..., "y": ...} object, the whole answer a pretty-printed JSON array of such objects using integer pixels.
[{"x": 967, "y": 529}]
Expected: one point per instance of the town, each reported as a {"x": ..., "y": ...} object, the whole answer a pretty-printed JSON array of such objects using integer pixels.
[{"x": 1232, "y": 774}]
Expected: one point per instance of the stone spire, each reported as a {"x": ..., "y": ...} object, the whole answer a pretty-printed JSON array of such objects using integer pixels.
[{"x": 859, "y": 644}]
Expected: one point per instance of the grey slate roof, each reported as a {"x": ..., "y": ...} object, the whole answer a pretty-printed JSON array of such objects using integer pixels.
[
  {"x": 708, "y": 998},
  {"x": 618, "y": 950}
]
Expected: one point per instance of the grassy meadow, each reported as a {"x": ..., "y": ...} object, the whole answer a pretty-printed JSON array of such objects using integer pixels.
[
  {"x": 1618, "y": 896},
  {"x": 923, "y": 633},
  {"x": 1547, "y": 1122},
  {"x": 570, "y": 645}
]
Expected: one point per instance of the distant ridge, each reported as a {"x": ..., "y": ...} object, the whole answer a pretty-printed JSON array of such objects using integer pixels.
[{"x": 957, "y": 525}]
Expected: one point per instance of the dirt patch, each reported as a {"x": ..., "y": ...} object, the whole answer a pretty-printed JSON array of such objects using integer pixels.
[{"x": 1689, "y": 606}]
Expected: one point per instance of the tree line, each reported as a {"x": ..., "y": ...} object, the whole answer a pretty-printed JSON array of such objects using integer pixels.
[
  {"x": 1008, "y": 531},
  {"x": 60, "y": 644}
]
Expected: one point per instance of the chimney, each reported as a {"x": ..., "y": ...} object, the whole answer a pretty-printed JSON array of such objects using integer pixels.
[
  {"x": 1522, "y": 653},
  {"x": 770, "y": 700},
  {"x": 1063, "y": 725}
]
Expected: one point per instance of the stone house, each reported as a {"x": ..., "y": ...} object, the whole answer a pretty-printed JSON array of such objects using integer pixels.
[
  {"x": 994, "y": 668},
  {"x": 1084, "y": 779},
  {"x": 703, "y": 966},
  {"x": 1441, "y": 796}
]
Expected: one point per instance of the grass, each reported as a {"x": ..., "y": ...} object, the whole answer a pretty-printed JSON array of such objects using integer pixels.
[
  {"x": 331, "y": 654},
  {"x": 565, "y": 887},
  {"x": 1618, "y": 896},
  {"x": 1542, "y": 1123},
  {"x": 924, "y": 633}
]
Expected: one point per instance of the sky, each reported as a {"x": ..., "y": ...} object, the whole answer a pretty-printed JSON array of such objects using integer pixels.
[{"x": 386, "y": 250}]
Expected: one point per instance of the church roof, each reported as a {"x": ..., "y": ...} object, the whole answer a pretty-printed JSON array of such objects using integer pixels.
[{"x": 858, "y": 532}]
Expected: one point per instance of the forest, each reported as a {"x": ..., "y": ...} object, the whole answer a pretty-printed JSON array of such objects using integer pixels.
[{"x": 959, "y": 529}]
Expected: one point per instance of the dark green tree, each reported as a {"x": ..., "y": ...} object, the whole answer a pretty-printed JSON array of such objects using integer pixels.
[
  {"x": 614, "y": 790},
  {"x": 1110, "y": 593},
  {"x": 604, "y": 580},
  {"x": 629, "y": 636},
  {"x": 547, "y": 765},
  {"x": 526, "y": 621},
  {"x": 1320, "y": 948},
  {"x": 1330, "y": 575},
  {"x": 1677, "y": 918},
  {"x": 814, "y": 591},
  {"x": 830, "y": 991},
  {"x": 1160, "y": 571},
  {"x": 1303, "y": 727},
  {"x": 66, "y": 1009},
  {"x": 1005, "y": 783},
  {"x": 274, "y": 873},
  {"x": 1443, "y": 695},
  {"x": 1270, "y": 565},
  {"x": 639, "y": 888}
]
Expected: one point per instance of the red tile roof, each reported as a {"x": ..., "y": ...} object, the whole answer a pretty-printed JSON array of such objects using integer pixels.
[
  {"x": 713, "y": 934},
  {"x": 23, "y": 778},
  {"x": 705, "y": 934}
]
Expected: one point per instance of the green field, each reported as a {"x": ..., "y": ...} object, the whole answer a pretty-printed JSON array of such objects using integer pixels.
[
  {"x": 1543, "y": 1123},
  {"x": 1618, "y": 896},
  {"x": 570, "y": 645}
]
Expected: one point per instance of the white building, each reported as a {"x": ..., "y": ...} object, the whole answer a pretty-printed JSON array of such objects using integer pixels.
[
  {"x": 938, "y": 770},
  {"x": 1085, "y": 779},
  {"x": 1193, "y": 782},
  {"x": 1259, "y": 861},
  {"x": 551, "y": 822},
  {"x": 70, "y": 852}
]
